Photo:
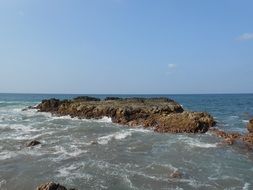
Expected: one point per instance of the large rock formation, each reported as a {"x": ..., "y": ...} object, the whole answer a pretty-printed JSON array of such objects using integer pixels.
[{"x": 162, "y": 114}]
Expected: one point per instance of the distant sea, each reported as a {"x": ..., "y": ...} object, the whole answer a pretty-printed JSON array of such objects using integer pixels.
[{"x": 124, "y": 158}]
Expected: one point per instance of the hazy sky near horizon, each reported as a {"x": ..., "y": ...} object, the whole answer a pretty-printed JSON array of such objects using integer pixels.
[{"x": 126, "y": 46}]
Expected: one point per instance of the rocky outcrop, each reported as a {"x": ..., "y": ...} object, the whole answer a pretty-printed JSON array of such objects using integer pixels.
[
  {"x": 32, "y": 143},
  {"x": 51, "y": 186},
  {"x": 248, "y": 138},
  {"x": 161, "y": 114},
  {"x": 189, "y": 122},
  {"x": 229, "y": 137},
  {"x": 250, "y": 126}
]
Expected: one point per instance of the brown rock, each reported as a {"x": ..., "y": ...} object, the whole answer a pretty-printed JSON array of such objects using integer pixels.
[
  {"x": 176, "y": 174},
  {"x": 32, "y": 143},
  {"x": 162, "y": 114},
  {"x": 250, "y": 126},
  {"x": 248, "y": 138},
  {"x": 188, "y": 122},
  {"x": 51, "y": 186}
]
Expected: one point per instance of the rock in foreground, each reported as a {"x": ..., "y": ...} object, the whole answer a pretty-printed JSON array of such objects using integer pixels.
[
  {"x": 51, "y": 186},
  {"x": 161, "y": 114},
  {"x": 32, "y": 143}
]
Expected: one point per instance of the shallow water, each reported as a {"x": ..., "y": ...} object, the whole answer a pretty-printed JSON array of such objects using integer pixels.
[{"x": 96, "y": 154}]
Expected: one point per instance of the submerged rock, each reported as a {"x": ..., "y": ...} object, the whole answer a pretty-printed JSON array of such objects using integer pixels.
[
  {"x": 52, "y": 186},
  {"x": 32, "y": 143},
  {"x": 250, "y": 126},
  {"x": 162, "y": 114}
]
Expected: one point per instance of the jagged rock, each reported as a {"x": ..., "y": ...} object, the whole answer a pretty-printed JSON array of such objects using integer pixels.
[
  {"x": 51, "y": 186},
  {"x": 189, "y": 122},
  {"x": 250, "y": 126},
  {"x": 32, "y": 143},
  {"x": 50, "y": 105},
  {"x": 162, "y": 114},
  {"x": 248, "y": 138},
  {"x": 229, "y": 138}
]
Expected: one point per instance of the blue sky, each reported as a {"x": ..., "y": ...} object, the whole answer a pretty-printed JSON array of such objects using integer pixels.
[{"x": 126, "y": 46}]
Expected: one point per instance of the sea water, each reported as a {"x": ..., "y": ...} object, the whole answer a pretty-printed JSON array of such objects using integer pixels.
[{"x": 97, "y": 154}]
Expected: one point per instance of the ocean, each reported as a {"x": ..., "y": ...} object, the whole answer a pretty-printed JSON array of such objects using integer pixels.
[{"x": 124, "y": 158}]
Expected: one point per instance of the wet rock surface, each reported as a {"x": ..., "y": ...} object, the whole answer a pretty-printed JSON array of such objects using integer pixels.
[
  {"x": 51, "y": 186},
  {"x": 250, "y": 126},
  {"x": 162, "y": 114},
  {"x": 32, "y": 143},
  {"x": 231, "y": 138}
]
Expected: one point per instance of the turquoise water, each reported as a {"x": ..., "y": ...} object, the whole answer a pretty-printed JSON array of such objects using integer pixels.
[{"x": 124, "y": 158}]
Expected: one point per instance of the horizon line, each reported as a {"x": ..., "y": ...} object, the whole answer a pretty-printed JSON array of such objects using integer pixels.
[{"x": 218, "y": 93}]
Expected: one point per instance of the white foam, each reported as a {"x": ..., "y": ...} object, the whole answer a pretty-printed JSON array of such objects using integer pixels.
[
  {"x": 118, "y": 136},
  {"x": 24, "y": 128},
  {"x": 202, "y": 145},
  {"x": 65, "y": 117},
  {"x": 7, "y": 155},
  {"x": 193, "y": 142},
  {"x": 245, "y": 121},
  {"x": 105, "y": 120},
  {"x": 65, "y": 171},
  {"x": 246, "y": 186},
  {"x": 142, "y": 130},
  {"x": 64, "y": 153},
  {"x": 2, "y": 183},
  {"x": 234, "y": 116},
  {"x": 73, "y": 172},
  {"x": 128, "y": 182}
]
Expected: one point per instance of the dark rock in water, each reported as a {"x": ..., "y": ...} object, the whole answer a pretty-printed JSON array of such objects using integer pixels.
[
  {"x": 28, "y": 108},
  {"x": 86, "y": 98},
  {"x": 176, "y": 174},
  {"x": 113, "y": 98},
  {"x": 51, "y": 186},
  {"x": 162, "y": 114},
  {"x": 32, "y": 143},
  {"x": 250, "y": 126},
  {"x": 50, "y": 105}
]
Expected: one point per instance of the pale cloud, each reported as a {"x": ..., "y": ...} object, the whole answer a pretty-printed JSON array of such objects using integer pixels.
[
  {"x": 245, "y": 37},
  {"x": 172, "y": 66}
]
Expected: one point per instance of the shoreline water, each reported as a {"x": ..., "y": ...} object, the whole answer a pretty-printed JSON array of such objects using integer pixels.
[{"x": 125, "y": 158}]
